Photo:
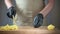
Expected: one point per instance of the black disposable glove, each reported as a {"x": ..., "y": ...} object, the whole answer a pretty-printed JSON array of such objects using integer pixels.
[
  {"x": 11, "y": 12},
  {"x": 38, "y": 20}
]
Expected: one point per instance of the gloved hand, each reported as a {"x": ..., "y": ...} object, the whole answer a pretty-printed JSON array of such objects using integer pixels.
[
  {"x": 38, "y": 20},
  {"x": 11, "y": 12}
]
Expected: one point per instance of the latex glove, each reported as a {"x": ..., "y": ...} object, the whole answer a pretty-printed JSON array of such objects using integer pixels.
[
  {"x": 38, "y": 20},
  {"x": 11, "y": 12}
]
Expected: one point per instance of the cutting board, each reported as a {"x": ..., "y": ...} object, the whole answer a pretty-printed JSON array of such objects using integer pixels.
[{"x": 31, "y": 30}]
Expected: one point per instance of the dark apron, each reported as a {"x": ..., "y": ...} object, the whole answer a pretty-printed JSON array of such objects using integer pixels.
[{"x": 4, "y": 20}]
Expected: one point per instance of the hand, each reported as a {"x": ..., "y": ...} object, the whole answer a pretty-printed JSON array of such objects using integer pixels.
[
  {"x": 38, "y": 20},
  {"x": 11, "y": 12}
]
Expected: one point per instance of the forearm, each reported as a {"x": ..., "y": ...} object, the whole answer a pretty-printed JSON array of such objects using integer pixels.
[
  {"x": 8, "y": 3},
  {"x": 47, "y": 8}
]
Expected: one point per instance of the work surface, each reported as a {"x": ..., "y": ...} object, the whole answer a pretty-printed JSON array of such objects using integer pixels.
[{"x": 31, "y": 30}]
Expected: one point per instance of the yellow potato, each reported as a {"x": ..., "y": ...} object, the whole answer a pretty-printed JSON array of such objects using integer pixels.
[
  {"x": 51, "y": 27},
  {"x": 14, "y": 27},
  {"x": 7, "y": 27}
]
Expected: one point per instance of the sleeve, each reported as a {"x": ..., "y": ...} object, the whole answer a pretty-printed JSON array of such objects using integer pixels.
[{"x": 46, "y": 2}]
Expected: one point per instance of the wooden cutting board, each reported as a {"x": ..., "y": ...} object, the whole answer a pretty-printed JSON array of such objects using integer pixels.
[{"x": 31, "y": 30}]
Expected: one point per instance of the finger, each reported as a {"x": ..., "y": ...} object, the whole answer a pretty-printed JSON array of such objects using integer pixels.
[{"x": 10, "y": 16}]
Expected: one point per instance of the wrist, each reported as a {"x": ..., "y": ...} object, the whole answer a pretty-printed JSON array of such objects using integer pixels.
[
  {"x": 12, "y": 8},
  {"x": 42, "y": 14},
  {"x": 9, "y": 6}
]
